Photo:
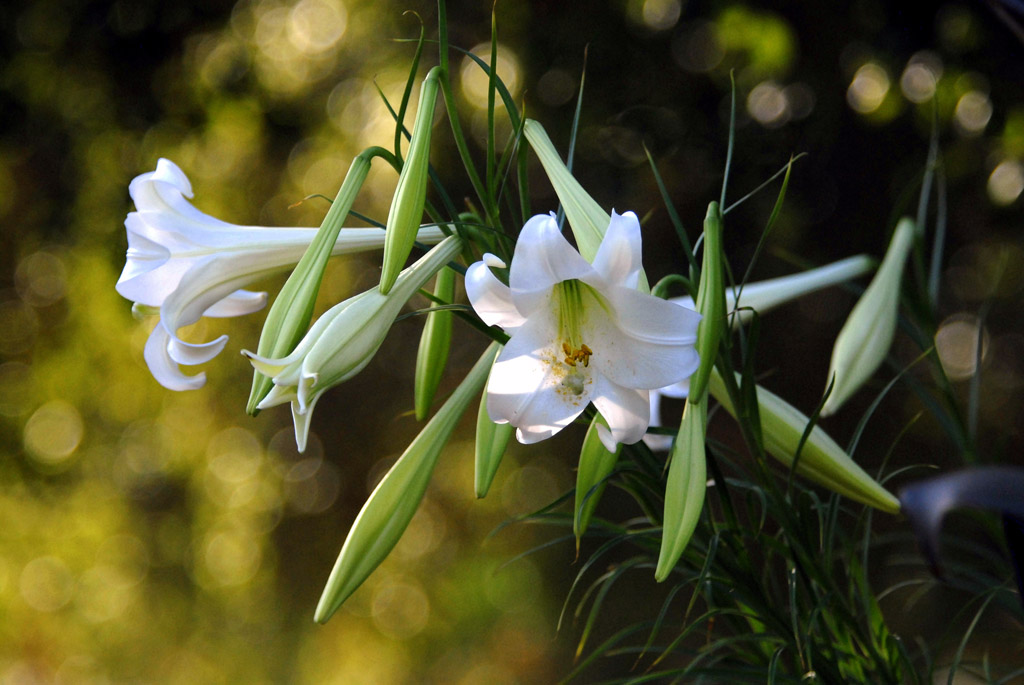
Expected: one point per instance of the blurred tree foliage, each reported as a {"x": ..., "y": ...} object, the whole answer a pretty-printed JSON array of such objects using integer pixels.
[{"x": 158, "y": 536}]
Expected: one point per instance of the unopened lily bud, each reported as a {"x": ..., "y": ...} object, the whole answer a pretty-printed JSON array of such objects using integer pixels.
[
  {"x": 291, "y": 312},
  {"x": 685, "y": 488},
  {"x": 411, "y": 192},
  {"x": 710, "y": 302},
  {"x": 867, "y": 334},
  {"x": 435, "y": 342},
  {"x": 821, "y": 460},
  {"x": 392, "y": 504},
  {"x": 343, "y": 341}
]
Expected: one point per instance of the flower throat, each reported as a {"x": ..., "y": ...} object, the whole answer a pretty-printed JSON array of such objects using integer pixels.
[{"x": 570, "y": 311}]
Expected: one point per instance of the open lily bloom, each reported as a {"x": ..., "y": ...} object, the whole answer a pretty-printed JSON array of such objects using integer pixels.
[
  {"x": 189, "y": 264},
  {"x": 580, "y": 333}
]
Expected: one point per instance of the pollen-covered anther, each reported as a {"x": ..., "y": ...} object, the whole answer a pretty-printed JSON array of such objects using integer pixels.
[{"x": 580, "y": 354}]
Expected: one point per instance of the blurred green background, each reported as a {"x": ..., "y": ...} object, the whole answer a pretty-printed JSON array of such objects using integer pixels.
[{"x": 153, "y": 536}]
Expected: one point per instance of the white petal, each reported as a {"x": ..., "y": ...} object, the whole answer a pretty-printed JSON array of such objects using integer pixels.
[
  {"x": 543, "y": 257},
  {"x": 525, "y": 387},
  {"x": 491, "y": 299},
  {"x": 654, "y": 440},
  {"x": 680, "y": 390},
  {"x": 163, "y": 368},
  {"x": 618, "y": 259},
  {"x": 194, "y": 353},
  {"x": 644, "y": 342},
  {"x": 238, "y": 303},
  {"x": 627, "y": 411}
]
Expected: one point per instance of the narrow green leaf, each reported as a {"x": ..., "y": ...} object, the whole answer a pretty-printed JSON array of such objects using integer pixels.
[
  {"x": 388, "y": 510},
  {"x": 685, "y": 489},
  {"x": 434, "y": 343},
  {"x": 596, "y": 464},
  {"x": 411, "y": 192}
]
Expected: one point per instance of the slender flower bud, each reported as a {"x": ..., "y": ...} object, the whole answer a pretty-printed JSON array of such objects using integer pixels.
[
  {"x": 595, "y": 465},
  {"x": 387, "y": 512},
  {"x": 491, "y": 440},
  {"x": 343, "y": 341},
  {"x": 685, "y": 488},
  {"x": 866, "y": 336},
  {"x": 291, "y": 312},
  {"x": 821, "y": 459},
  {"x": 434, "y": 344},
  {"x": 710, "y": 302},
  {"x": 587, "y": 219},
  {"x": 411, "y": 193}
]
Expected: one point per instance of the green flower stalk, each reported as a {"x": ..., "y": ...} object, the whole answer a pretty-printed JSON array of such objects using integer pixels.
[
  {"x": 821, "y": 459},
  {"x": 391, "y": 506},
  {"x": 411, "y": 193},
  {"x": 343, "y": 341},
  {"x": 866, "y": 336}
]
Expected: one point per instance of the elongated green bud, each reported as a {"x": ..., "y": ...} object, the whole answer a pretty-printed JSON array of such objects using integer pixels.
[
  {"x": 434, "y": 343},
  {"x": 867, "y": 335},
  {"x": 411, "y": 193},
  {"x": 394, "y": 501},
  {"x": 821, "y": 459},
  {"x": 491, "y": 440},
  {"x": 685, "y": 489},
  {"x": 587, "y": 219},
  {"x": 710, "y": 302},
  {"x": 596, "y": 464},
  {"x": 291, "y": 312}
]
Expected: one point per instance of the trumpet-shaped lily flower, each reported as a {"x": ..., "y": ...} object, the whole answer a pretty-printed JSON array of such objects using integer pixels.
[
  {"x": 343, "y": 341},
  {"x": 189, "y": 264},
  {"x": 580, "y": 333}
]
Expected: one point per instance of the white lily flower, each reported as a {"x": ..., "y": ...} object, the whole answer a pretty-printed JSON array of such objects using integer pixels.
[
  {"x": 580, "y": 333},
  {"x": 343, "y": 340},
  {"x": 761, "y": 296},
  {"x": 189, "y": 264}
]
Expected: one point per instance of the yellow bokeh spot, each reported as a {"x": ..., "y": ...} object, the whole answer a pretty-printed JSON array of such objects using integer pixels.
[
  {"x": 868, "y": 88},
  {"x": 474, "y": 78},
  {"x": 53, "y": 432}
]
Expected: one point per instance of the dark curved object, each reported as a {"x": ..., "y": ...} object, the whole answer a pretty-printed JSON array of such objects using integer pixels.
[{"x": 993, "y": 488}]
